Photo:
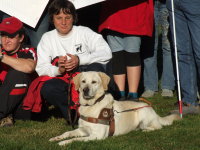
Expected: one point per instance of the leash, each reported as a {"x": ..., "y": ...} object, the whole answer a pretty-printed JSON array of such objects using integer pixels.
[
  {"x": 69, "y": 103},
  {"x": 134, "y": 109},
  {"x": 146, "y": 101}
]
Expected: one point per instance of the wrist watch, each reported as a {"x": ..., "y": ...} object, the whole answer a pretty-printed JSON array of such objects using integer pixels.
[{"x": 1, "y": 56}]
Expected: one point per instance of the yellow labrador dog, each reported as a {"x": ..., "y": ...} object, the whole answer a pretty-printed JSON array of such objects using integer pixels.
[{"x": 101, "y": 115}]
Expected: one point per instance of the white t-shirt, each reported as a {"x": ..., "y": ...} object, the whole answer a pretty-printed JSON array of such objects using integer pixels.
[{"x": 82, "y": 41}]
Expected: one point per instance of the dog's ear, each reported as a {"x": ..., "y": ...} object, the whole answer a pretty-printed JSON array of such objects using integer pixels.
[
  {"x": 76, "y": 81},
  {"x": 105, "y": 80}
]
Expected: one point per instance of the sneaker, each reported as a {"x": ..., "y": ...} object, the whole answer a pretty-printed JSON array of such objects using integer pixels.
[
  {"x": 148, "y": 93},
  {"x": 188, "y": 109},
  {"x": 6, "y": 122},
  {"x": 167, "y": 93},
  {"x": 183, "y": 104}
]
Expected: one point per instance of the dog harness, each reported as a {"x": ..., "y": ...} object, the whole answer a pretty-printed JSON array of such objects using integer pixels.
[{"x": 106, "y": 115}]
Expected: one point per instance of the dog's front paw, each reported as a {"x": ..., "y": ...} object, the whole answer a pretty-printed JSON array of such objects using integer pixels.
[
  {"x": 62, "y": 143},
  {"x": 57, "y": 138}
]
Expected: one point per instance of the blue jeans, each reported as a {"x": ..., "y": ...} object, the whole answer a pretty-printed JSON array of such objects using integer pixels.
[
  {"x": 187, "y": 21},
  {"x": 150, "y": 62}
]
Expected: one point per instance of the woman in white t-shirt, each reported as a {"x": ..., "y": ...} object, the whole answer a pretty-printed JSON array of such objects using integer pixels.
[{"x": 67, "y": 49}]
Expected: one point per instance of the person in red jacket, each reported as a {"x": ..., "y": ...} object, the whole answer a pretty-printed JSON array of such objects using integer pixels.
[
  {"x": 17, "y": 62},
  {"x": 125, "y": 22}
]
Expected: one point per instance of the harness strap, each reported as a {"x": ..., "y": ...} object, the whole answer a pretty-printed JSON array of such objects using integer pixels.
[
  {"x": 112, "y": 126},
  {"x": 108, "y": 114},
  {"x": 95, "y": 120},
  {"x": 105, "y": 117}
]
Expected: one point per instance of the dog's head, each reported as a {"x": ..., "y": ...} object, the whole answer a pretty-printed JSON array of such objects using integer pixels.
[{"x": 91, "y": 85}]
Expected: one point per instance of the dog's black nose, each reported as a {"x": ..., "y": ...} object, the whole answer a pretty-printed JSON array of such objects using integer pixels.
[{"x": 86, "y": 91}]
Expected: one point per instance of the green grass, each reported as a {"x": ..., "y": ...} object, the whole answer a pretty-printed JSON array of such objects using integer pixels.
[{"x": 34, "y": 135}]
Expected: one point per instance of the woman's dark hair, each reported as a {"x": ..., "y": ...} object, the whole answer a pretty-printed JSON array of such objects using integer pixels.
[
  {"x": 21, "y": 32},
  {"x": 65, "y": 6}
]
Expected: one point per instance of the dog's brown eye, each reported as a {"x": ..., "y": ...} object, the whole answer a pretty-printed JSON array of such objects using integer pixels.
[
  {"x": 93, "y": 82},
  {"x": 83, "y": 81}
]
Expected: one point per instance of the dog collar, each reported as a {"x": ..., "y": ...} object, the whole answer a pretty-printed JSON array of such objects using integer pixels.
[{"x": 100, "y": 98}]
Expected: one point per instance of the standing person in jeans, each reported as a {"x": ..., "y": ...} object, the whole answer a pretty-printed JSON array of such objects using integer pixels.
[
  {"x": 150, "y": 75},
  {"x": 124, "y": 23},
  {"x": 17, "y": 62},
  {"x": 187, "y": 21}
]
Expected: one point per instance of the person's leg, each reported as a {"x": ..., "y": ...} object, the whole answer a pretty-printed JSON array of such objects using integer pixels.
[
  {"x": 21, "y": 114},
  {"x": 12, "y": 92},
  {"x": 187, "y": 66},
  {"x": 132, "y": 63},
  {"x": 133, "y": 80},
  {"x": 119, "y": 71},
  {"x": 55, "y": 91},
  {"x": 167, "y": 79},
  {"x": 133, "y": 73},
  {"x": 120, "y": 81},
  {"x": 115, "y": 41},
  {"x": 150, "y": 74},
  {"x": 192, "y": 12}
]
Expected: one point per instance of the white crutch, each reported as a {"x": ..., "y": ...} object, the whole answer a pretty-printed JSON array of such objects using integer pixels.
[{"x": 176, "y": 59}]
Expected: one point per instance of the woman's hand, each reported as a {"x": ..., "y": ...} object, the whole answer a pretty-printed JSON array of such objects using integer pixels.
[
  {"x": 61, "y": 64},
  {"x": 71, "y": 63}
]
